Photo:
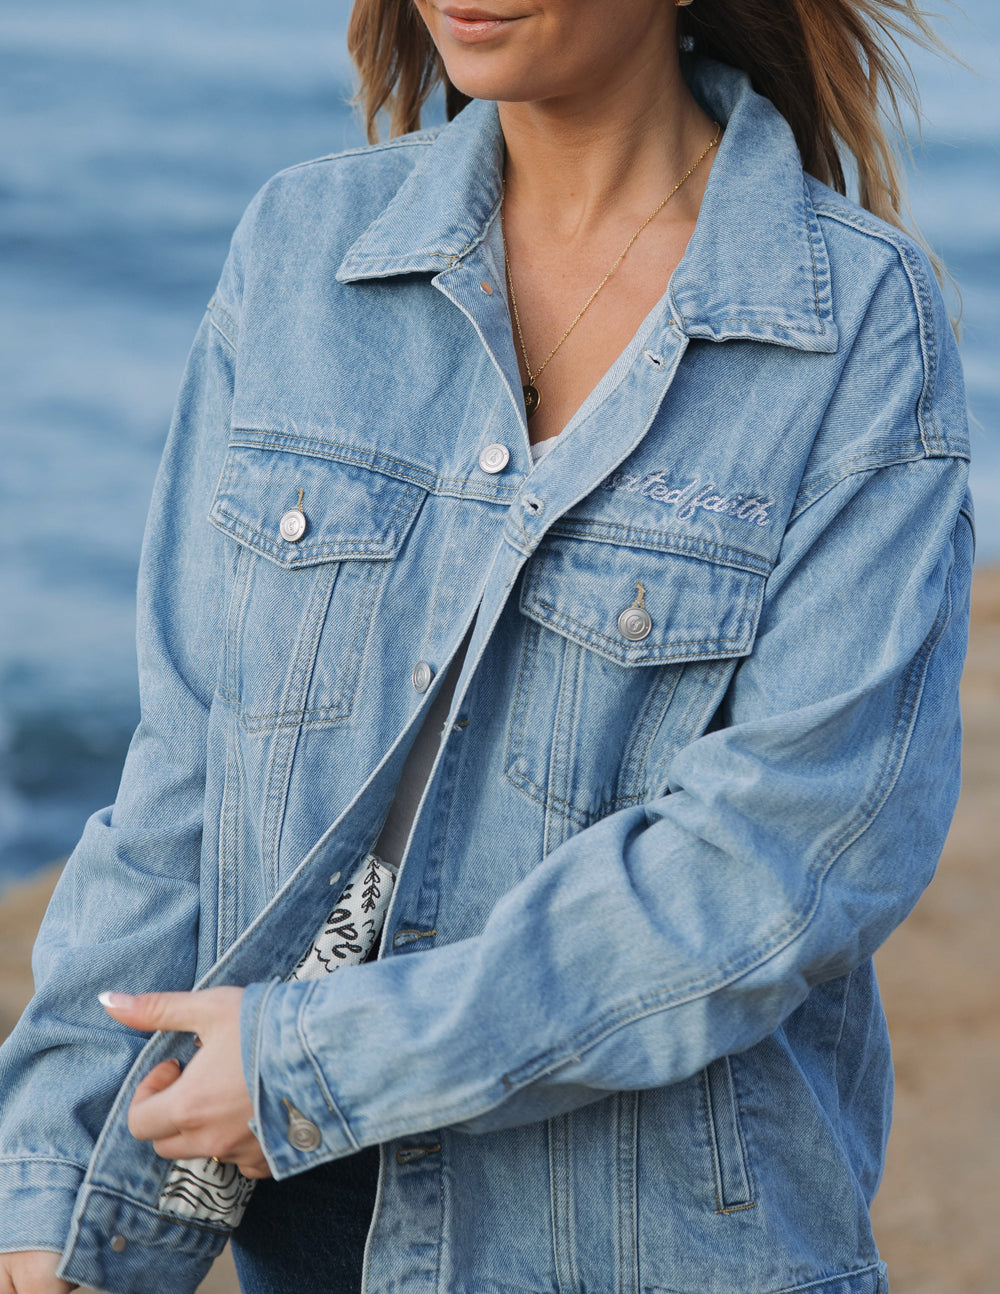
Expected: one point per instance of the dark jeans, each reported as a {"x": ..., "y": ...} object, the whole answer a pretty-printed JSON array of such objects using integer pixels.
[{"x": 306, "y": 1235}]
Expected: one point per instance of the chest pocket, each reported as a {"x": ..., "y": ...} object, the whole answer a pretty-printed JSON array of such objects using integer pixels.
[
  {"x": 314, "y": 539},
  {"x": 626, "y": 654}
]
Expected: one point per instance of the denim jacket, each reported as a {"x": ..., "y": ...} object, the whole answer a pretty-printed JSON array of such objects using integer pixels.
[{"x": 624, "y": 1032}]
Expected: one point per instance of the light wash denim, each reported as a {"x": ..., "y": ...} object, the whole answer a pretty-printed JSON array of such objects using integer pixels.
[{"x": 624, "y": 1034}]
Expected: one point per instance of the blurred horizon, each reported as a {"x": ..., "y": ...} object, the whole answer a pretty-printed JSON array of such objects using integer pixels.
[{"x": 132, "y": 138}]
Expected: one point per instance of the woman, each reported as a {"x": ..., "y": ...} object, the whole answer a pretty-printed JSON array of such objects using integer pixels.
[{"x": 630, "y": 634}]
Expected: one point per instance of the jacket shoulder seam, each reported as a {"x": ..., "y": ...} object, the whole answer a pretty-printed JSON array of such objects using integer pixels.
[
  {"x": 934, "y": 443},
  {"x": 418, "y": 139},
  {"x": 222, "y": 320},
  {"x": 872, "y": 461}
]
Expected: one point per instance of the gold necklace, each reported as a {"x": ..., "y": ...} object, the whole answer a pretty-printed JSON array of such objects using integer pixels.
[{"x": 531, "y": 397}]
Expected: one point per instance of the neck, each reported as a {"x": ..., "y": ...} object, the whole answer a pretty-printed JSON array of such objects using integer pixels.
[{"x": 574, "y": 161}]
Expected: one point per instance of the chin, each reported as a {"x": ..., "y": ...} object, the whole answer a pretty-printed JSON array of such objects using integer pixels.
[{"x": 503, "y": 85}]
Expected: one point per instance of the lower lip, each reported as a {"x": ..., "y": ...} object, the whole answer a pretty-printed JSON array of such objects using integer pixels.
[{"x": 472, "y": 30}]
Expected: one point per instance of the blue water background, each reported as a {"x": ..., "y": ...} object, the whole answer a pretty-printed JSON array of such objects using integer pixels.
[{"x": 131, "y": 137}]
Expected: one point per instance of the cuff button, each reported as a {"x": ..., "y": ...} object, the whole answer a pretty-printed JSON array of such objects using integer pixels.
[{"x": 302, "y": 1133}]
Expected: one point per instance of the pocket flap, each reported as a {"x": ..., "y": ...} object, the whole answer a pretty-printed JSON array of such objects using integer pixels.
[
  {"x": 349, "y": 511},
  {"x": 695, "y": 609}
]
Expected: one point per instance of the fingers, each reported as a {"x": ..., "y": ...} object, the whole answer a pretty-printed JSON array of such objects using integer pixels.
[
  {"x": 196, "y": 1012},
  {"x": 32, "y": 1272},
  {"x": 158, "y": 1080},
  {"x": 206, "y": 1143},
  {"x": 255, "y": 1171},
  {"x": 149, "y": 1122},
  {"x": 152, "y": 1011},
  {"x": 204, "y": 1108}
]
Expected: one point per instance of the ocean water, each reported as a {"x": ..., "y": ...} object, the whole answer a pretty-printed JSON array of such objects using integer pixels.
[{"x": 131, "y": 137}]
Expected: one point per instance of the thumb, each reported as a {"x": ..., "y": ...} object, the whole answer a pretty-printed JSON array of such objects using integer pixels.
[{"x": 152, "y": 1011}]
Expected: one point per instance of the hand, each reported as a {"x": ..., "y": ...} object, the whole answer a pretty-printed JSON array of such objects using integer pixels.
[
  {"x": 203, "y": 1110},
  {"x": 33, "y": 1271}
]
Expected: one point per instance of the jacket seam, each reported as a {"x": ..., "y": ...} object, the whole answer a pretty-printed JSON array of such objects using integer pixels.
[
  {"x": 682, "y": 545},
  {"x": 42, "y": 1159},
  {"x": 854, "y": 466},
  {"x": 861, "y": 469},
  {"x": 584, "y": 817},
  {"x": 381, "y": 462},
  {"x": 416, "y": 139},
  {"x": 649, "y": 654},
  {"x": 307, "y": 1051},
  {"x": 326, "y": 1092},
  {"x": 220, "y": 1231},
  {"x": 780, "y": 325},
  {"x": 812, "y": 227},
  {"x": 526, "y": 785},
  {"x": 38, "y": 1246},
  {"x": 801, "y": 1289},
  {"x": 395, "y": 531},
  {"x": 917, "y": 279},
  {"x": 214, "y": 313}
]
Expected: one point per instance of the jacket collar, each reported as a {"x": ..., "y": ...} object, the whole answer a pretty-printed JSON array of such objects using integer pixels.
[{"x": 756, "y": 266}]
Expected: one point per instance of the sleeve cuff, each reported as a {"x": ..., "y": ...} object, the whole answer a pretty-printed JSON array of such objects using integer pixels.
[
  {"x": 296, "y": 1120},
  {"x": 37, "y": 1199}
]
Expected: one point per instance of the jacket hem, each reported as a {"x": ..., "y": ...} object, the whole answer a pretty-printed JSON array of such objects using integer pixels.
[{"x": 868, "y": 1280}]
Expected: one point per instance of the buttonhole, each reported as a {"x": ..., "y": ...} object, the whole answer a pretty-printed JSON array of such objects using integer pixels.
[
  {"x": 335, "y": 878},
  {"x": 407, "y": 1154},
  {"x": 408, "y": 935},
  {"x": 655, "y": 360},
  {"x": 533, "y": 504}
]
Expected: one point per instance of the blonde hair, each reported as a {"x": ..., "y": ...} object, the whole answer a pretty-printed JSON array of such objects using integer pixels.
[{"x": 833, "y": 68}]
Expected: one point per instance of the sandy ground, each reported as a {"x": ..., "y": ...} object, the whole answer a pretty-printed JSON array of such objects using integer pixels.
[{"x": 940, "y": 972}]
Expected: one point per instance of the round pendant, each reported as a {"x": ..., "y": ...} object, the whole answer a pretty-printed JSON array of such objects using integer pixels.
[{"x": 531, "y": 399}]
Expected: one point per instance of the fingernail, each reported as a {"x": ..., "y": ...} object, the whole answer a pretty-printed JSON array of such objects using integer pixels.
[{"x": 109, "y": 999}]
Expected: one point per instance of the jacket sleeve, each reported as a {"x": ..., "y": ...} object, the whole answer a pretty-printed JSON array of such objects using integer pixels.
[
  {"x": 125, "y": 913},
  {"x": 796, "y": 834}
]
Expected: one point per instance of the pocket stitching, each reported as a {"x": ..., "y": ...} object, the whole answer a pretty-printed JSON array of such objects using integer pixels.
[
  {"x": 524, "y": 783},
  {"x": 650, "y": 653},
  {"x": 714, "y": 1132}
]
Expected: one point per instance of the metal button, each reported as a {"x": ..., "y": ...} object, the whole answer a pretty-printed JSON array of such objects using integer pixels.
[
  {"x": 302, "y": 1132},
  {"x": 635, "y": 623},
  {"x": 494, "y": 458},
  {"x": 487, "y": 287},
  {"x": 422, "y": 676},
  {"x": 304, "y": 1135},
  {"x": 293, "y": 525},
  {"x": 118, "y": 1244}
]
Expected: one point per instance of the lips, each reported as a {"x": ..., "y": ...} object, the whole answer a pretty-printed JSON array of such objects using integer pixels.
[
  {"x": 469, "y": 25},
  {"x": 473, "y": 15}
]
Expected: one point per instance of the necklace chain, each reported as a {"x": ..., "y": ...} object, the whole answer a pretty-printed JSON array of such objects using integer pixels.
[{"x": 531, "y": 396}]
